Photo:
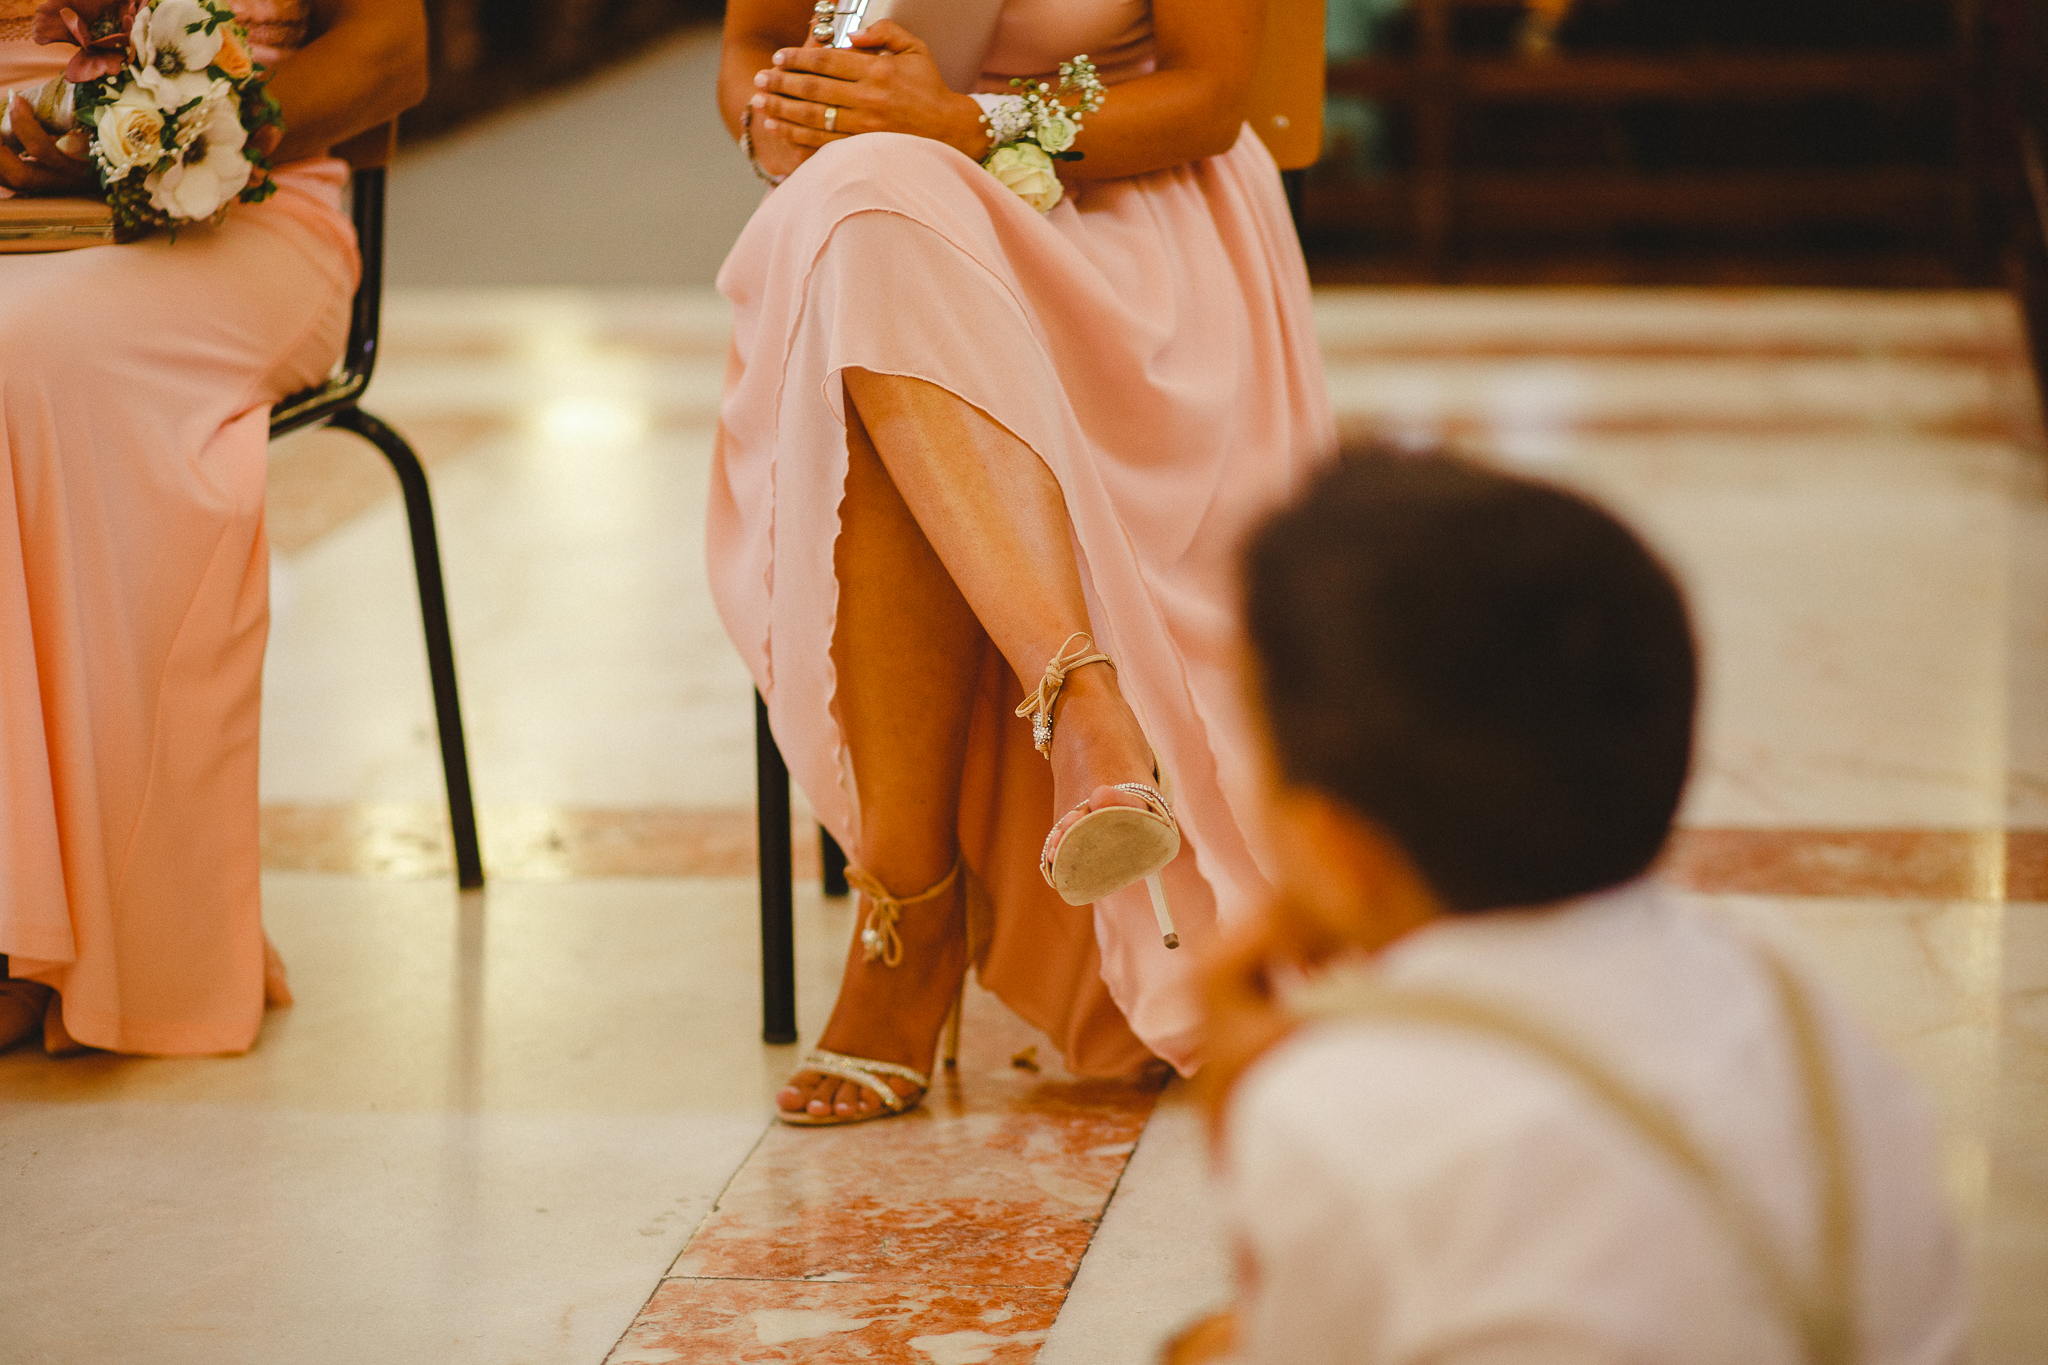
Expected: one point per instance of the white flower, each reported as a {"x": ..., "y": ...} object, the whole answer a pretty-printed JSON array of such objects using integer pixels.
[
  {"x": 131, "y": 132},
  {"x": 211, "y": 169},
  {"x": 1056, "y": 132},
  {"x": 1026, "y": 169},
  {"x": 173, "y": 50}
]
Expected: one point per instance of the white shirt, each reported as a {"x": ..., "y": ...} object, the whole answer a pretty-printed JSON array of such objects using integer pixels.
[{"x": 1410, "y": 1192}]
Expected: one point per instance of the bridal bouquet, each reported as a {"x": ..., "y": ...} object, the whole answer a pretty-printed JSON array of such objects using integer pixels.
[{"x": 171, "y": 100}]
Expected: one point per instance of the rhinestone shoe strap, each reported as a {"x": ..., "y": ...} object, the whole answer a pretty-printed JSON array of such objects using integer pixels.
[
  {"x": 878, "y": 936},
  {"x": 1154, "y": 802},
  {"x": 864, "y": 1071},
  {"x": 1038, "y": 706}
]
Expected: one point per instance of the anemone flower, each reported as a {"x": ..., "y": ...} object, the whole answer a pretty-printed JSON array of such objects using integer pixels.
[
  {"x": 173, "y": 48},
  {"x": 99, "y": 28},
  {"x": 211, "y": 168}
]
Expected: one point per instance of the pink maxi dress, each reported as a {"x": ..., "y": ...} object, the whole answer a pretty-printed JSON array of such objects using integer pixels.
[
  {"x": 1151, "y": 340},
  {"x": 136, "y": 384}
]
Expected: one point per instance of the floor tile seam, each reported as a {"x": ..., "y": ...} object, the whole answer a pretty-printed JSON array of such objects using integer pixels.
[
  {"x": 640, "y": 1314},
  {"x": 1060, "y": 1289},
  {"x": 1115, "y": 1185}
]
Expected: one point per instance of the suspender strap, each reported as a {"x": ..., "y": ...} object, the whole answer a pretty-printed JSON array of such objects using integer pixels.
[{"x": 1821, "y": 1309}]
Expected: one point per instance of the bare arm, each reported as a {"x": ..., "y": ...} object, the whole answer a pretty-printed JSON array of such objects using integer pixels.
[
  {"x": 1192, "y": 106},
  {"x": 367, "y": 66}
]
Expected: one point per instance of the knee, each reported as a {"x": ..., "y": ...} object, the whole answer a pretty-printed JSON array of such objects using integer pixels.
[{"x": 882, "y": 163}]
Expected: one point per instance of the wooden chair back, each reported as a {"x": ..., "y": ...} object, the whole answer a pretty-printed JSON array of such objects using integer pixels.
[{"x": 1287, "y": 88}]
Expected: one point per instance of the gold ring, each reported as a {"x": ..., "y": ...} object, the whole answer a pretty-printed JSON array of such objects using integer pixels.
[{"x": 831, "y": 117}]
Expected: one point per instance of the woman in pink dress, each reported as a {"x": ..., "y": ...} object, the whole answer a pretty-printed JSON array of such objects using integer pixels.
[
  {"x": 135, "y": 390},
  {"x": 969, "y": 451}
]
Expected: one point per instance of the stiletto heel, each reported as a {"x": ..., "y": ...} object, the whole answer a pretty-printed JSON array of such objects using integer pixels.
[
  {"x": 880, "y": 942},
  {"x": 1109, "y": 849},
  {"x": 952, "y": 1050}
]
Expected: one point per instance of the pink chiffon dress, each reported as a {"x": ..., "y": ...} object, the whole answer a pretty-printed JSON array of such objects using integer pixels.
[
  {"x": 1151, "y": 340},
  {"x": 136, "y": 383}
]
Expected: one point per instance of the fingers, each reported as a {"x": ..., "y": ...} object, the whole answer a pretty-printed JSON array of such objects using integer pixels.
[
  {"x": 17, "y": 174},
  {"x": 837, "y": 62},
  {"x": 886, "y": 35},
  {"x": 806, "y": 124},
  {"x": 799, "y": 85},
  {"x": 37, "y": 141}
]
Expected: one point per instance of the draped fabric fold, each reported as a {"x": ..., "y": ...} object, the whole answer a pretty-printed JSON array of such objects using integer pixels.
[{"x": 1150, "y": 339}]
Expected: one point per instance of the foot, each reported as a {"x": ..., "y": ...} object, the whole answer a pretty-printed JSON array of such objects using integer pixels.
[
  {"x": 890, "y": 1014},
  {"x": 1096, "y": 744}
]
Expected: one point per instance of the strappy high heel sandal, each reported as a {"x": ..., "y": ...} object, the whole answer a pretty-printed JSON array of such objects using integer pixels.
[
  {"x": 880, "y": 942},
  {"x": 1105, "y": 850}
]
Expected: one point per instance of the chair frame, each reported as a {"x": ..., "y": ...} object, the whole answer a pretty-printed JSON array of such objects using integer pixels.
[{"x": 335, "y": 403}]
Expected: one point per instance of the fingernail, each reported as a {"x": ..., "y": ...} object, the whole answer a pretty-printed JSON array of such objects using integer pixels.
[
  {"x": 769, "y": 123},
  {"x": 782, "y": 56},
  {"x": 761, "y": 78},
  {"x": 759, "y": 101}
]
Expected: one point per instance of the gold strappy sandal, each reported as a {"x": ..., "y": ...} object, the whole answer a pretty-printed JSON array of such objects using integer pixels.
[
  {"x": 880, "y": 942},
  {"x": 1105, "y": 850}
]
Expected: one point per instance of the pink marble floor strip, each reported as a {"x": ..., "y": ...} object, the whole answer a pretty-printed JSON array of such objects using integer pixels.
[
  {"x": 716, "y": 1322},
  {"x": 951, "y": 1233},
  {"x": 400, "y": 840}
]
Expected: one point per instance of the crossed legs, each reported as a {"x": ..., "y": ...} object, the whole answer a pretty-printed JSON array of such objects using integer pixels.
[{"x": 954, "y": 538}]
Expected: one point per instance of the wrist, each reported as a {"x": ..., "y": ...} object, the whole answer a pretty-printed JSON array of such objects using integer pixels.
[{"x": 966, "y": 133}]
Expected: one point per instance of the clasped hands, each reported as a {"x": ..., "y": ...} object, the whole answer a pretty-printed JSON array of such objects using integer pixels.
[
  {"x": 46, "y": 164},
  {"x": 886, "y": 82}
]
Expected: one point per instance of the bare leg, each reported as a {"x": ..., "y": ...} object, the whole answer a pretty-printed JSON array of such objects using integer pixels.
[
  {"x": 953, "y": 534},
  {"x": 907, "y": 651},
  {"x": 998, "y": 522}
]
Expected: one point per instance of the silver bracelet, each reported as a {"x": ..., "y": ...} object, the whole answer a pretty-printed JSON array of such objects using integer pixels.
[{"x": 747, "y": 146}]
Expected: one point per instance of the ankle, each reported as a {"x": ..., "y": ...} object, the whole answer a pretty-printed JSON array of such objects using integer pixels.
[{"x": 906, "y": 874}]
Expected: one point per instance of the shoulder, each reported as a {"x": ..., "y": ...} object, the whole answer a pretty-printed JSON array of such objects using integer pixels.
[{"x": 1476, "y": 1194}]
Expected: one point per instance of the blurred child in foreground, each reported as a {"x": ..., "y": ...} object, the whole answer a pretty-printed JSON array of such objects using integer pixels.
[{"x": 1483, "y": 1091}]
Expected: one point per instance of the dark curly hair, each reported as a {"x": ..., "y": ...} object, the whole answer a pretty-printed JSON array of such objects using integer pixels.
[{"x": 1493, "y": 669}]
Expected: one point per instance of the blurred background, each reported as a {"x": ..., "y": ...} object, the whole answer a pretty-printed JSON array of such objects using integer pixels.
[{"x": 1821, "y": 142}]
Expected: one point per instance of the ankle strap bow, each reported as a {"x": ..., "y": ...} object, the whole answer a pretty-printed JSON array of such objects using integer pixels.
[
  {"x": 1038, "y": 706},
  {"x": 878, "y": 936}
]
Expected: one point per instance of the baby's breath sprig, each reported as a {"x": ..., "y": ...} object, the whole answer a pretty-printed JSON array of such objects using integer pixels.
[{"x": 1036, "y": 126}]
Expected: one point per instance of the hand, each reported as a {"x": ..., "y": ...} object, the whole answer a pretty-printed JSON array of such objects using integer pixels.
[
  {"x": 46, "y": 164},
  {"x": 1207, "y": 1339},
  {"x": 886, "y": 83},
  {"x": 1242, "y": 1020}
]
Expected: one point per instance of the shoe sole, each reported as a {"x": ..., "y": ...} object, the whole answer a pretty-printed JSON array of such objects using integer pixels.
[{"x": 1110, "y": 849}]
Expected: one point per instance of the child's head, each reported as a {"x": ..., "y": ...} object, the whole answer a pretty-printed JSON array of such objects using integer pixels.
[{"x": 1488, "y": 672}]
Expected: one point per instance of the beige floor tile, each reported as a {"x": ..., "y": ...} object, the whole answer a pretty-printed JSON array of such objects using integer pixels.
[{"x": 480, "y": 1136}]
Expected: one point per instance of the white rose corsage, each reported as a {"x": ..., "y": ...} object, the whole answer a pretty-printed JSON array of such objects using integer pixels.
[{"x": 1029, "y": 131}]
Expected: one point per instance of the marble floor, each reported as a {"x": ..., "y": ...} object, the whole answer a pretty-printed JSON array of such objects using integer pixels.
[{"x": 530, "y": 1125}]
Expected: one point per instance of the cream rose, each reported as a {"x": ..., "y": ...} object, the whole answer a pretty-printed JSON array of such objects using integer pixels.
[
  {"x": 1027, "y": 170},
  {"x": 131, "y": 133},
  {"x": 1056, "y": 132},
  {"x": 233, "y": 56}
]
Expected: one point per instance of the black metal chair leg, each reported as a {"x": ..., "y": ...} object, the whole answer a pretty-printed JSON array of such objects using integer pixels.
[
  {"x": 778, "y": 897},
  {"x": 426, "y": 558},
  {"x": 832, "y": 860}
]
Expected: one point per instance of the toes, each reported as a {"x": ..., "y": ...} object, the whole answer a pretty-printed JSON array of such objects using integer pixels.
[
  {"x": 1112, "y": 796},
  {"x": 807, "y": 1092}
]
